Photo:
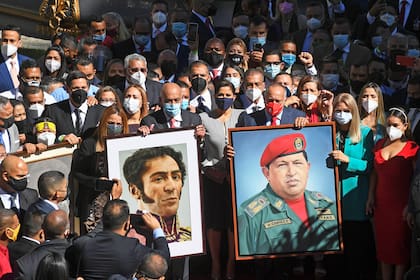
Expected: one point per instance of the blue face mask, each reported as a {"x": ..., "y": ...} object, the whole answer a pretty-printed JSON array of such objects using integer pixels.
[
  {"x": 142, "y": 40},
  {"x": 413, "y": 52},
  {"x": 376, "y": 41},
  {"x": 271, "y": 71},
  {"x": 341, "y": 40},
  {"x": 172, "y": 110},
  {"x": 184, "y": 104},
  {"x": 256, "y": 40},
  {"x": 289, "y": 59},
  {"x": 114, "y": 129},
  {"x": 223, "y": 103},
  {"x": 99, "y": 38},
  {"x": 179, "y": 29}
]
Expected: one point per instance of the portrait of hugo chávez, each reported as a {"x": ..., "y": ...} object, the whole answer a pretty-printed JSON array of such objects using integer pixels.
[
  {"x": 285, "y": 217},
  {"x": 155, "y": 177}
]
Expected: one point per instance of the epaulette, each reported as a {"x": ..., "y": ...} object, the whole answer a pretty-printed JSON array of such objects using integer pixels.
[{"x": 256, "y": 205}]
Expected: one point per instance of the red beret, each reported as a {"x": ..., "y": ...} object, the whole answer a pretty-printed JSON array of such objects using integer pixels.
[{"x": 283, "y": 146}]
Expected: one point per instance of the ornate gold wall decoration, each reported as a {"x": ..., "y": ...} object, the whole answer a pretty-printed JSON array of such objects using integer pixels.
[{"x": 63, "y": 15}]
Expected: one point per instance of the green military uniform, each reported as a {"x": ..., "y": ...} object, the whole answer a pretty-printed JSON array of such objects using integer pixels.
[{"x": 266, "y": 224}]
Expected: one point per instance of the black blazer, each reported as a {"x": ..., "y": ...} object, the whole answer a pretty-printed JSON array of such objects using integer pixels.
[
  {"x": 28, "y": 264},
  {"x": 61, "y": 115},
  {"x": 109, "y": 253},
  {"x": 204, "y": 33},
  {"x": 289, "y": 115},
  {"x": 41, "y": 206},
  {"x": 26, "y": 198},
  {"x": 122, "y": 49},
  {"x": 158, "y": 118},
  {"x": 153, "y": 89},
  {"x": 20, "y": 248}
]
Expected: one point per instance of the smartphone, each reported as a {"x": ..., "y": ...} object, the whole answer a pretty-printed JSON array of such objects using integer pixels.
[
  {"x": 136, "y": 220},
  {"x": 103, "y": 185},
  {"x": 257, "y": 47},
  {"x": 192, "y": 31},
  {"x": 407, "y": 61}
]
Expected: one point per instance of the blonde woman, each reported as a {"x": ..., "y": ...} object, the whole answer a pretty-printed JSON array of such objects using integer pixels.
[
  {"x": 135, "y": 105},
  {"x": 354, "y": 159},
  {"x": 236, "y": 53},
  {"x": 371, "y": 108}
]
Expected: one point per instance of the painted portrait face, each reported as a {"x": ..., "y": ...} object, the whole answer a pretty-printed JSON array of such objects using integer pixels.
[
  {"x": 288, "y": 175},
  {"x": 162, "y": 184}
]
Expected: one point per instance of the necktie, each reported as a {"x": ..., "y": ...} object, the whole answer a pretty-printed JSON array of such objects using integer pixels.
[
  {"x": 1, "y": 138},
  {"x": 274, "y": 120},
  {"x": 201, "y": 105},
  {"x": 403, "y": 4},
  {"x": 78, "y": 121},
  {"x": 141, "y": 49},
  {"x": 13, "y": 205},
  {"x": 209, "y": 26},
  {"x": 172, "y": 122},
  {"x": 13, "y": 74},
  {"x": 215, "y": 73}
]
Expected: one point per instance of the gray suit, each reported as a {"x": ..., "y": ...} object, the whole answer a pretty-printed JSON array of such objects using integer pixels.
[{"x": 14, "y": 142}]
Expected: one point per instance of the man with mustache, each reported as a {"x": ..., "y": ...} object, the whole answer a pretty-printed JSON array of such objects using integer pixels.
[
  {"x": 285, "y": 217},
  {"x": 155, "y": 177}
]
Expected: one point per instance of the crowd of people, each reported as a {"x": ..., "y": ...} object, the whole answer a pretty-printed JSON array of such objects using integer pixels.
[{"x": 281, "y": 62}]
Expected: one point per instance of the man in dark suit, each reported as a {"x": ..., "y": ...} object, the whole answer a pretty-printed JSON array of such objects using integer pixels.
[
  {"x": 201, "y": 97},
  {"x": 316, "y": 18},
  {"x": 135, "y": 66},
  {"x": 10, "y": 60},
  {"x": 32, "y": 236},
  {"x": 73, "y": 118},
  {"x": 179, "y": 28},
  {"x": 275, "y": 113},
  {"x": 342, "y": 48},
  {"x": 14, "y": 193},
  {"x": 113, "y": 251},
  {"x": 56, "y": 228},
  {"x": 52, "y": 188},
  {"x": 202, "y": 10},
  {"x": 140, "y": 42}
]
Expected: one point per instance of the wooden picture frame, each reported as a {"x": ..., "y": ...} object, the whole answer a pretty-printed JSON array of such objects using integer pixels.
[{"x": 265, "y": 226}]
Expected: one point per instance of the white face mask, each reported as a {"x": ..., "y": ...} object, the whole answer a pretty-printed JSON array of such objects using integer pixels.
[
  {"x": 8, "y": 50},
  {"x": 308, "y": 99},
  {"x": 342, "y": 117},
  {"x": 253, "y": 93},
  {"x": 394, "y": 133},
  {"x": 52, "y": 65},
  {"x": 159, "y": 18},
  {"x": 369, "y": 105},
  {"x": 106, "y": 103},
  {"x": 138, "y": 78},
  {"x": 47, "y": 138},
  {"x": 330, "y": 81},
  {"x": 36, "y": 110},
  {"x": 236, "y": 82},
  {"x": 131, "y": 105}
]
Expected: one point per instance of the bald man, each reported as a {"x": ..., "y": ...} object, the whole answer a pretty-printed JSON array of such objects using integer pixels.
[
  {"x": 275, "y": 112},
  {"x": 171, "y": 115},
  {"x": 14, "y": 193},
  {"x": 56, "y": 227}
]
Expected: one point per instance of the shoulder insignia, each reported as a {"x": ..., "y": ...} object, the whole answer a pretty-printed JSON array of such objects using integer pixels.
[
  {"x": 274, "y": 223},
  {"x": 256, "y": 205}
]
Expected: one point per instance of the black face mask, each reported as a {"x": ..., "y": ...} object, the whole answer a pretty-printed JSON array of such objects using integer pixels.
[
  {"x": 414, "y": 102},
  {"x": 18, "y": 184},
  {"x": 168, "y": 68},
  {"x": 356, "y": 86},
  {"x": 236, "y": 59},
  {"x": 8, "y": 122},
  {"x": 214, "y": 59},
  {"x": 212, "y": 10},
  {"x": 116, "y": 81},
  {"x": 23, "y": 126},
  {"x": 198, "y": 84},
  {"x": 79, "y": 96}
]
